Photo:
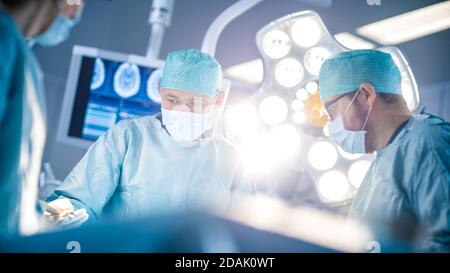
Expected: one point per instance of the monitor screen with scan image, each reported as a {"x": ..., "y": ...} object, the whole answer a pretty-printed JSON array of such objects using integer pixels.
[{"x": 104, "y": 88}]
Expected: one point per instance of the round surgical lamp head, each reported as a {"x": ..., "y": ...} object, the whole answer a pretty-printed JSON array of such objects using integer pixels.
[
  {"x": 242, "y": 120},
  {"x": 273, "y": 110},
  {"x": 322, "y": 155},
  {"x": 314, "y": 59},
  {"x": 285, "y": 139},
  {"x": 306, "y": 32},
  {"x": 333, "y": 187},
  {"x": 293, "y": 49},
  {"x": 289, "y": 72},
  {"x": 276, "y": 44}
]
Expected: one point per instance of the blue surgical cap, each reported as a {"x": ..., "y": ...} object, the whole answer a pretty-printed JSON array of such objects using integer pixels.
[
  {"x": 193, "y": 71},
  {"x": 344, "y": 73}
]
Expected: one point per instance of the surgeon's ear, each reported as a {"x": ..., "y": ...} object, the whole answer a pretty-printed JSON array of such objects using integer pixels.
[{"x": 369, "y": 93}]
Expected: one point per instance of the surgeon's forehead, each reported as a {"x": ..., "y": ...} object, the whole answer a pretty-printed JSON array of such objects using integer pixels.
[{"x": 183, "y": 94}]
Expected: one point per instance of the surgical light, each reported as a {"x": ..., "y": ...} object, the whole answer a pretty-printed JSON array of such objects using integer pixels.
[
  {"x": 306, "y": 32},
  {"x": 289, "y": 72},
  {"x": 310, "y": 44},
  {"x": 357, "y": 171},
  {"x": 297, "y": 105},
  {"x": 314, "y": 59},
  {"x": 315, "y": 112},
  {"x": 302, "y": 94},
  {"x": 312, "y": 87},
  {"x": 261, "y": 153},
  {"x": 333, "y": 186},
  {"x": 256, "y": 155},
  {"x": 299, "y": 117},
  {"x": 273, "y": 110},
  {"x": 407, "y": 92},
  {"x": 322, "y": 155},
  {"x": 276, "y": 44},
  {"x": 353, "y": 42},
  {"x": 242, "y": 119},
  {"x": 285, "y": 140}
]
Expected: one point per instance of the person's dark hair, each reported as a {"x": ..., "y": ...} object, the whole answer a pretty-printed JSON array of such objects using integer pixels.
[
  {"x": 391, "y": 99},
  {"x": 387, "y": 98},
  {"x": 14, "y": 4}
]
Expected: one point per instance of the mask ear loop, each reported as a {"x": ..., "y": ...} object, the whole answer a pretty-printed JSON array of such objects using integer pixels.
[
  {"x": 351, "y": 102},
  {"x": 368, "y": 113},
  {"x": 367, "y": 118}
]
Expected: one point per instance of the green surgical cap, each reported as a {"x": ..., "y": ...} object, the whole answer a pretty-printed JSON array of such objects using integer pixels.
[
  {"x": 344, "y": 73},
  {"x": 191, "y": 70}
]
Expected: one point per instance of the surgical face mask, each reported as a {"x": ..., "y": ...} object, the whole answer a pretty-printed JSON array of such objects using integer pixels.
[
  {"x": 350, "y": 141},
  {"x": 184, "y": 126},
  {"x": 58, "y": 31}
]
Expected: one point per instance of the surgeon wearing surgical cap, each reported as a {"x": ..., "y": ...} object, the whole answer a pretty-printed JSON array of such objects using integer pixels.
[
  {"x": 407, "y": 188},
  {"x": 172, "y": 161},
  {"x": 22, "y": 104}
]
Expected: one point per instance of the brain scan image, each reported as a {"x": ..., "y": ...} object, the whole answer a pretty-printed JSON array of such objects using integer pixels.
[
  {"x": 127, "y": 80},
  {"x": 152, "y": 86},
  {"x": 98, "y": 75}
]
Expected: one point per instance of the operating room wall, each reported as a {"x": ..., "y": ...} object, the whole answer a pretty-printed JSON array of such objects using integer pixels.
[
  {"x": 435, "y": 98},
  {"x": 121, "y": 25}
]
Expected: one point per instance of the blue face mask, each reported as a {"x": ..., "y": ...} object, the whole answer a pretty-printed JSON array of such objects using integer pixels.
[{"x": 58, "y": 31}]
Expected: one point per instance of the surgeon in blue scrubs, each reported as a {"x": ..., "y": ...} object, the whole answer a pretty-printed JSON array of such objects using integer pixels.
[
  {"x": 407, "y": 188},
  {"x": 169, "y": 162},
  {"x": 22, "y": 109}
]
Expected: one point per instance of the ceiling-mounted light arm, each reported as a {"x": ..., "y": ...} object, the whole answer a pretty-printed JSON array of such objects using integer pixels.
[
  {"x": 215, "y": 29},
  {"x": 160, "y": 17}
]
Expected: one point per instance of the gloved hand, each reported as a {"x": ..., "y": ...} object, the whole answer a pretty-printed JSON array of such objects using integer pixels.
[{"x": 60, "y": 213}]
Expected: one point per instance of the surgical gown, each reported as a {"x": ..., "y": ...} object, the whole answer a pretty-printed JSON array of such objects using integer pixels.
[
  {"x": 136, "y": 168},
  {"x": 22, "y": 131},
  {"x": 408, "y": 184}
]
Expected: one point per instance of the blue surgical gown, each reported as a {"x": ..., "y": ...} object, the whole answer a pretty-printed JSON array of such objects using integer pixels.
[
  {"x": 408, "y": 184},
  {"x": 136, "y": 168},
  {"x": 22, "y": 131}
]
